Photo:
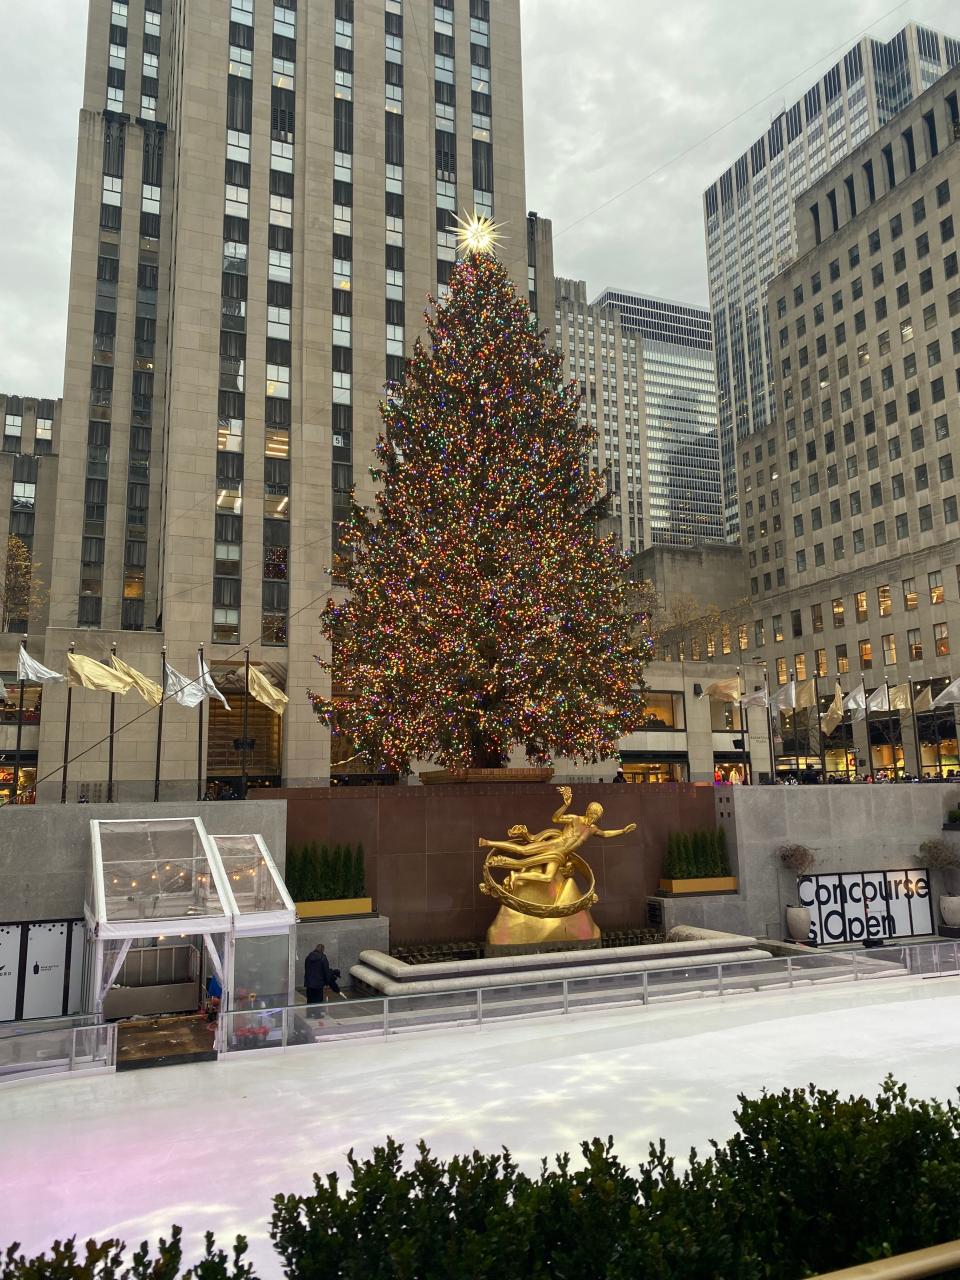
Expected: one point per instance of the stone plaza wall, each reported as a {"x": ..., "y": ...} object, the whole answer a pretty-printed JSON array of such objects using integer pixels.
[
  {"x": 848, "y": 828},
  {"x": 45, "y": 849},
  {"x": 423, "y": 864}
]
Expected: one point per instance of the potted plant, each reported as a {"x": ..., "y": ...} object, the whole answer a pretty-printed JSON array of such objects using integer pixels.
[
  {"x": 697, "y": 862},
  {"x": 940, "y": 855},
  {"x": 800, "y": 860}
]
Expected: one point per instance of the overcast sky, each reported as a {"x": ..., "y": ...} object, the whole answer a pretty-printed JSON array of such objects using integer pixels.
[{"x": 615, "y": 90}]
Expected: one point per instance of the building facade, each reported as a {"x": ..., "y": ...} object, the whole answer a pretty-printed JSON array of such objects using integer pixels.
[
  {"x": 647, "y": 375},
  {"x": 849, "y": 498},
  {"x": 229, "y": 337},
  {"x": 681, "y": 476},
  {"x": 750, "y": 222},
  {"x": 28, "y": 492}
]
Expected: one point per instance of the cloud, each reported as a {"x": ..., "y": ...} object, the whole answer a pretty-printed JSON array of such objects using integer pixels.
[{"x": 616, "y": 91}]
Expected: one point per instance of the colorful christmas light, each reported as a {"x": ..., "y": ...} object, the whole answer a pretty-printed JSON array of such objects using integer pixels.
[{"x": 485, "y": 611}]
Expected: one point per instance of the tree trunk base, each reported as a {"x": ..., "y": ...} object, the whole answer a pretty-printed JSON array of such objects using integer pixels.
[{"x": 434, "y": 776}]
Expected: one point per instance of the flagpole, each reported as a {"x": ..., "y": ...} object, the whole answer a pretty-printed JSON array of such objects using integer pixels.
[
  {"x": 916, "y": 731},
  {"x": 741, "y": 690},
  {"x": 113, "y": 716},
  {"x": 163, "y": 694},
  {"x": 796, "y": 742},
  {"x": 936, "y": 733},
  {"x": 200, "y": 731},
  {"x": 893, "y": 745},
  {"x": 16, "y": 758},
  {"x": 823, "y": 745},
  {"x": 773, "y": 759},
  {"x": 246, "y": 707},
  {"x": 66, "y": 736}
]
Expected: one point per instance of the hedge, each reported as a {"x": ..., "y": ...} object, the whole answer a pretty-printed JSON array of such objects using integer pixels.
[
  {"x": 313, "y": 872},
  {"x": 694, "y": 855},
  {"x": 809, "y": 1183}
]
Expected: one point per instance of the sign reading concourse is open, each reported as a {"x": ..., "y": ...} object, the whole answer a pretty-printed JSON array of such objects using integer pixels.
[{"x": 867, "y": 905}]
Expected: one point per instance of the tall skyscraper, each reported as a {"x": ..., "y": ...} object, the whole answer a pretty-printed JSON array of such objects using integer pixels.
[
  {"x": 849, "y": 498},
  {"x": 682, "y": 497},
  {"x": 750, "y": 221},
  {"x": 265, "y": 197},
  {"x": 646, "y": 369}
]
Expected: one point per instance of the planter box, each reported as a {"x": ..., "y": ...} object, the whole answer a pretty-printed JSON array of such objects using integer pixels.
[
  {"x": 706, "y": 884},
  {"x": 951, "y": 826},
  {"x": 324, "y": 908},
  {"x": 485, "y": 775}
]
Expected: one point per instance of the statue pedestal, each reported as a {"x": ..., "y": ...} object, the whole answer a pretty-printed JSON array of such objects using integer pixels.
[{"x": 514, "y": 929}]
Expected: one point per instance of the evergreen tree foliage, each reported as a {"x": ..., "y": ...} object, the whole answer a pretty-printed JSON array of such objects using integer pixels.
[{"x": 484, "y": 609}]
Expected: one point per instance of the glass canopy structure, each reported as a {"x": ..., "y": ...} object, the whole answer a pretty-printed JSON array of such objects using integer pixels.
[{"x": 166, "y": 882}]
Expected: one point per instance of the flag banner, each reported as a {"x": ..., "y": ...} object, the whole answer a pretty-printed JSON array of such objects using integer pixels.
[
  {"x": 813, "y": 733},
  {"x": 923, "y": 700},
  {"x": 756, "y": 699},
  {"x": 183, "y": 690},
  {"x": 87, "y": 673},
  {"x": 785, "y": 699},
  {"x": 806, "y": 694},
  {"x": 148, "y": 689},
  {"x": 900, "y": 699},
  {"x": 834, "y": 713},
  {"x": 950, "y": 694},
  {"x": 210, "y": 690},
  {"x": 856, "y": 703},
  {"x": 35, "y": 672},
  {"x": 878, "y": 700},
  {"x": 721, "y": 690},
  {"x": 261, "y": 689}
]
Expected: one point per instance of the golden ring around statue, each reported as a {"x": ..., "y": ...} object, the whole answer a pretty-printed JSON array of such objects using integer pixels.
[{"x": 546, "y": 910}]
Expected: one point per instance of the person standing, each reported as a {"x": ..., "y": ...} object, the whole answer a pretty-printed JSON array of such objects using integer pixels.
[{"x": 316, "y": 974}]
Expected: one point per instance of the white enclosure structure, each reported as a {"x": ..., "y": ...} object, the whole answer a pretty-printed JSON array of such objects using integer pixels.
[{"x": 167, "y": 884}]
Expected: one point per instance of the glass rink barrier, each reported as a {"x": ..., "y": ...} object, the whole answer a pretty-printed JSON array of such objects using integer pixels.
[
  {"x": 37, "y": 1050},
  {"x": 303, "y": 1024}
]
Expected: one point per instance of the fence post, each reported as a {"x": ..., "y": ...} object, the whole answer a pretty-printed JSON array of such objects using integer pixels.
[
  {"x": 789, "y": 971},
  {"x": 956, "y": 956},
  {"x": 856, "y": 967},
  {"x": 73, "y": 1047},
  {"x": 566, "y": 1004},
  {"x": 284, "y": 1026},
  {"x": 719, "y": 979},
  {"x": 645, "y": 993},
  {"x": 386, "y": 1015},
  {"x": 479, "y": 1006}
]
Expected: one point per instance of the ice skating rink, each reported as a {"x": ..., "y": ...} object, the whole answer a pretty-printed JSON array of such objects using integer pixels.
[{"x": 208, "y": 1145}]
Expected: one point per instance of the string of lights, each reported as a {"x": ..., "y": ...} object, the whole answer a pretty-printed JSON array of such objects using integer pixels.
[{"x": 484, "y": 608}]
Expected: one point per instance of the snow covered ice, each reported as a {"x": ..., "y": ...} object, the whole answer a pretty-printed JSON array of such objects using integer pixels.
[{"x": 208, "y": 1145}]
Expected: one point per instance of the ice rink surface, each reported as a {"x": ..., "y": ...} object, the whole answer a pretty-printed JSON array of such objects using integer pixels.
[{"x": 208, "y": 1145}]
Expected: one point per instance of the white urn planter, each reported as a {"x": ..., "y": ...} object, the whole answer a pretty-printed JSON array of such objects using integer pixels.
[
  {"x": 950, "y": 910},
  {"x": 798, "y": 923}
]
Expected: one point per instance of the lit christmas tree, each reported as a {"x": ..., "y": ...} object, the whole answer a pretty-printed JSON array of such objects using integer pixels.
[{"x": 485, "y": 610}]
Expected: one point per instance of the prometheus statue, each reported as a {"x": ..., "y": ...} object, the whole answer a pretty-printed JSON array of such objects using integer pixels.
[{"x": 539, "y": 896}]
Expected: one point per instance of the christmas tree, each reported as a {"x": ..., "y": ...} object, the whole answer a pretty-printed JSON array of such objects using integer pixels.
[{"x": 485, "y": 610}]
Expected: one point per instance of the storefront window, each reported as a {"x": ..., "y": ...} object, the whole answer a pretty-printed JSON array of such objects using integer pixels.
[
  {"x": 663, "y": 710},
  {"x": 724, "y": 716},
  {"x": 655, "y": 771}
]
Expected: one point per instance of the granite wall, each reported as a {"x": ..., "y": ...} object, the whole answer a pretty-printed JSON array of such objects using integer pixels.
[
  {"x": 423, "y": 862},
  {"x": 45, "y": 849}
]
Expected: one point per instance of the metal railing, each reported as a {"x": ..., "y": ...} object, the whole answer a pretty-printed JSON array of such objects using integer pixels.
[
  {"x": 940, "y": 1260},
  {"x": 53, "y": 1050},
  {"x": 282, "y": 1028}
]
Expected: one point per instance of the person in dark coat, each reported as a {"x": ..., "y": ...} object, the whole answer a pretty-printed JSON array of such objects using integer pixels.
[{"x": 316, "y": 974}]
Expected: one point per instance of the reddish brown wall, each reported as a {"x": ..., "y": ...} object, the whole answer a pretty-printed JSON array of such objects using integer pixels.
[{"x": 423, "y": 863}]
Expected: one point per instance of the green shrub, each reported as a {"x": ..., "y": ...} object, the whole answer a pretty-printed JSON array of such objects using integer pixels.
[
  {"x": 809, "y": 1183},
  {"x": 359, "y": 887},
  {"x": 953, "y": 815},
  {"x": 291, "y": 874}
]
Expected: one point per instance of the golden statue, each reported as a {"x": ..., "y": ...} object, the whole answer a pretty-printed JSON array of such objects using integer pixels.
[{"x": 540, "y": 899}]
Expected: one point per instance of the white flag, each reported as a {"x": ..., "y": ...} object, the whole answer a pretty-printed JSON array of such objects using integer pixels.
[
  {"x": 210, "y": 690},
  {"x": 923, "y": 700},
  {"x": 856, "y": 703},
  {"x": 723, "y": 690},
  {"x": 950, "y": 694},
  {"x": 182, "y": 689},
  {"x": 34, "y": 672},
  {"x": 190, "y": 693},
  {"x": 879, "y": 700},
  {"x": 785, "y": 699},
  {"x": 834, "y": 713},
  {"x": 756, "y": 699}
]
